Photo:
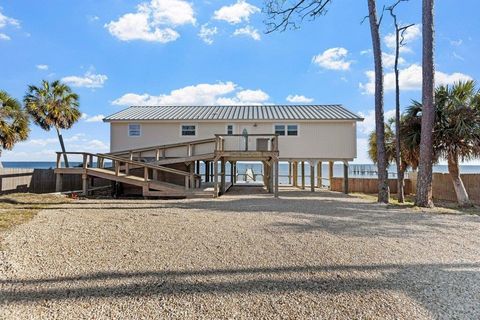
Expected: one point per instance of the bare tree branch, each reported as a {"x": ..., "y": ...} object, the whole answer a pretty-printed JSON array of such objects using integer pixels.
[{"x": 282, "y": 14}]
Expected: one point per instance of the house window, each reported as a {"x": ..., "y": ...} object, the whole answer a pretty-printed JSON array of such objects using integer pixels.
[
  {"x": 292, "y": 130},
  {"x": 134, "y": 130},
  {"x": 230, "y": 129},
  {"x": 189, "y": 130},
  {"x": 280, "y": 129}
]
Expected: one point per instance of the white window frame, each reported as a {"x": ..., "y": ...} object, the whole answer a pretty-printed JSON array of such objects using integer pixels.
[
  {"x": 292, "y": 124},
  {"x": 139, "y": 130},
  {"x": 284, "y": 129},
  {"x": 188, "y": 124},
  {"x": 233, "y": 128}
]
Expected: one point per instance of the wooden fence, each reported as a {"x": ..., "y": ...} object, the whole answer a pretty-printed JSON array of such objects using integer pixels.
[
  {"x": 442, "y": 186},
  {"x": 38, "y": 181},
  {"x": 368, "y": 185}
]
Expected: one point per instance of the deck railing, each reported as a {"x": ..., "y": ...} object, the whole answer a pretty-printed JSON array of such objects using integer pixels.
[
  {"x": 246, "y": 142},
  {"x": 160, "y": 151},
  {"x": 123, "y": 166}
]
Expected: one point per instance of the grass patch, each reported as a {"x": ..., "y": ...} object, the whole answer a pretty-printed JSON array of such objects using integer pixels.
[{"x": 19, "y": 208}]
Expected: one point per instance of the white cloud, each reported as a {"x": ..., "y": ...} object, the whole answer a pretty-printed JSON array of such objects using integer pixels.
[
  {"x": 43, "y": 149},
  {"x": 248, "y": 31},
  {"x": 368, "y": 124},
  {"x": 42, "y": 67},
  {"x": 245, "y": 97},
  {"x": 206, "y": 33},
  {"x": 333, "y": 59},
  {"x": 236, "y": 13},
  {"x": 410, "y": 79},
  {"x": 456, "y": 43},
  {"x": 411, "y": 34},
  {"x": 298, "y": 99},
  {"x": 96, "y": 118},
  {"x": 200, "y": 94},
  {"x": 153, "y": 21},
  {"x": 389, "y": 60},
  {"x": 7, "y": 21},
  {"x": 89, "y": 80},
  {"x": 366, "y": 51}
]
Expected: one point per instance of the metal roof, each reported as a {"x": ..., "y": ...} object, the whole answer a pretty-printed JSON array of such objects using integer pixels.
[{"x": 258, "y": 112}]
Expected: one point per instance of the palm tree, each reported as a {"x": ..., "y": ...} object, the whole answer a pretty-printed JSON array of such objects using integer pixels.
[
  {"x": 14, "y": 123},
  {"x": 424, "y": 186},
  {"x": 53, "y": 105},
  {"x": 456, "y": 134},
  {"x": 457, "y": 129},
  {"x": 408, "y": 146}
]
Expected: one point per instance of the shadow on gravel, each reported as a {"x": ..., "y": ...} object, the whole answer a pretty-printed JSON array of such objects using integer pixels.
[{"x": 446, "y": 290}]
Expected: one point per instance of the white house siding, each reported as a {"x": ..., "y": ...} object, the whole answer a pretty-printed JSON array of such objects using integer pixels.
[{"x": 315, "y": 140}]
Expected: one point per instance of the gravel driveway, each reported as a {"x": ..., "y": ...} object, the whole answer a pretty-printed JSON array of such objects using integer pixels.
[{"x": 305, "y": 256}]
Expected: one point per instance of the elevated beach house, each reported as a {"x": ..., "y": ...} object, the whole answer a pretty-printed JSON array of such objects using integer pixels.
[{"x": 192, "y": 145}]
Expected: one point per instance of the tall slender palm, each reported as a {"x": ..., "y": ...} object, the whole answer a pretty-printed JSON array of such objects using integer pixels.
[
  {"x": 53, "y": 105},
  {"x": 14, "y": 123},
  {"x": 456, "y": 134},
  {"x": 457, "y": 129}
]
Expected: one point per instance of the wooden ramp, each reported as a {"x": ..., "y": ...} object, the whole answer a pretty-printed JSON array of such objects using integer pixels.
[{"x": 121, "y": 172}]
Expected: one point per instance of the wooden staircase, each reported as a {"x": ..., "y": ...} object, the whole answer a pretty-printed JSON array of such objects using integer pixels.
[{"x": 121, "y": 171}]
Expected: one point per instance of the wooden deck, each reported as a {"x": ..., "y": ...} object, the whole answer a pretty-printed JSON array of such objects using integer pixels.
[{"x": 127, "y": 160}]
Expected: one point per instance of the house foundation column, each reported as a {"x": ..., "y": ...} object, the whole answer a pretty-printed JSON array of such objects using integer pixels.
[
  {"x": 289, "y": 172},
  {"x": 295, "y": 173},
  {"x": 345, "y": 177},
  {"x": 330, "y": 173},
  {"x": 303, "y": 175},
  {"x": 319, "y": 174},
  {"x": 222, "y": 176},
  {"x": 59, "y": 182},
  {"x": 275, "y": 192},
  {"x": 207, "y": 171},
  {"x": 215, "y": 178},
  {"x": 312, "y": 176}
]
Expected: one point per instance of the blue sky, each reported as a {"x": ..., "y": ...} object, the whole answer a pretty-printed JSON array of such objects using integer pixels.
[{"x": 117, "y": 52}]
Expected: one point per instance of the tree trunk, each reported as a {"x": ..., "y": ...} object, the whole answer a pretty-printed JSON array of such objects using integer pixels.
[
  {"x": 460, "y": 191},
  {"x": 62, "y": 145},
  {"x": 424, "y": 186},
  {"x": 383, "y": 190},
  {"x": 398, "y": 160}
]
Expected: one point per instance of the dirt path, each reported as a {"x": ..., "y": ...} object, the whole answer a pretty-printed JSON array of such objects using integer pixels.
[{"x": 301, "y": 256}]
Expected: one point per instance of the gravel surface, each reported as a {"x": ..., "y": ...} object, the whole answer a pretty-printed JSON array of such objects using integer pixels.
[{"x": 305, "y": 256}]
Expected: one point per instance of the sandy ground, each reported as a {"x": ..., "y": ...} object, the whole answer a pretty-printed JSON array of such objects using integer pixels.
[{"x": 304, "y": 256}]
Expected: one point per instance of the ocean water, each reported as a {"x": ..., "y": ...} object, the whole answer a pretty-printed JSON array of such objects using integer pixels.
[{"x": 355, "y": 170}]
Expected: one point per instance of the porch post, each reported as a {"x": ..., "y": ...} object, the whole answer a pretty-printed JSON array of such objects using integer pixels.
[
  {"x": 222, "y": 176},
  {"x": 215, "y": 178},
  {"x": 289, "y": 172},
  {"x": 271, "y": 176},
  {"x": 319, "y": 174},
  {"x": 207, "y": 171},
  {"x": 303, "y": 175},
  {"x": 198, "y": 167},
  {"x": 234, "y": 171},
  {"x": 330, "y": 173},
  {"x": 295, "y": 173},
  {"x": 59, "y": 182},
  {"x": 312, "y": 176},
  {"x": 276, "y": 178},
  {"x": 345, "y": 177}
]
